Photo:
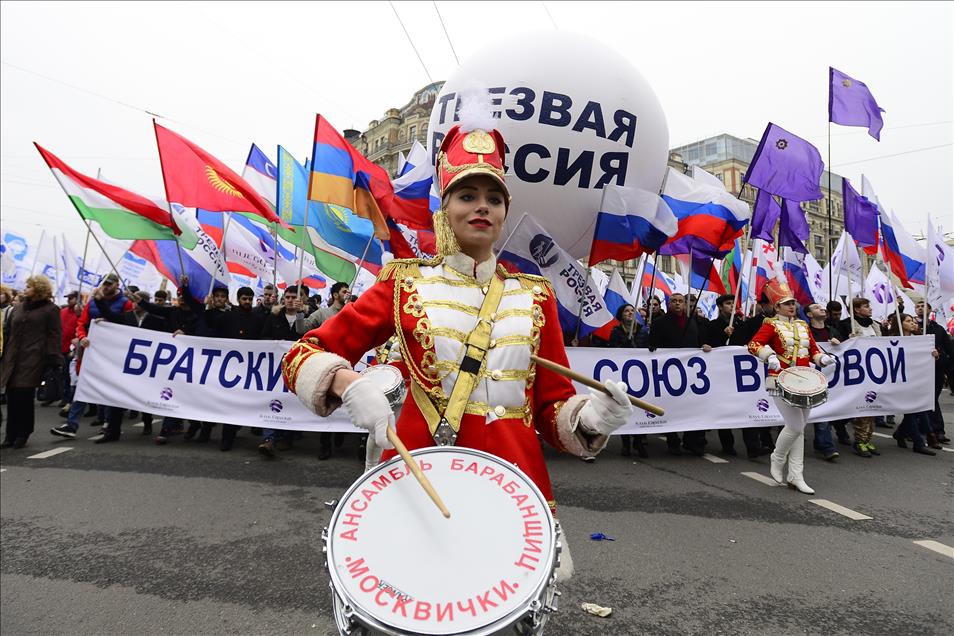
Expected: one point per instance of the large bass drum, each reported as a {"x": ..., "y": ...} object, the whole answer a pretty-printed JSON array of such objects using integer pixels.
[
  {"x": 398, "y": 567},
  {"x": 802, "y": 387}
]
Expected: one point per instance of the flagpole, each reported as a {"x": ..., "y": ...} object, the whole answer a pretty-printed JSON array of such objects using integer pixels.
[
  {"x": 56, "y": 266},
  {"x": 275, "y": 257},
  {"x": 880, "y": 258},
  {"x": 357, "y": 270},
  {"x": 79, "y": 291},
  {"x": 829, "y": 195},
  {"x": 691, "y": 310},
  {"x": 165, "y": 188},
  {"x": 639, "y": 291},
  {"x": 738, "y": 283},
  {"x": 579, "y": 314},
  {"x": 225, "y": 230},
  {"x": 36, "y": 255},
  {"x": 652, "y": 290},
  {"x": 305, "y": 236},
  {"x": 105, "y": 253},
  {"x": 512, "y": 232}
]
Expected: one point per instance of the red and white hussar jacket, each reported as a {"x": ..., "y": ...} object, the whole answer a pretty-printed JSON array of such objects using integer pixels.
[
  {"x": 432, "y": 306},
  {"x": 788, "y": 338}
]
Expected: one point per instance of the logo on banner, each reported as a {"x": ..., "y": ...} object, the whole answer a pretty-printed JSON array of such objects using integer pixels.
[
  {"x": 650, "y": 415},
  {"x": 871, "y": 396},
  {"x": 762, "y": 405},
  {"x": 542, "y": 250},
  {"x": 165, "y": 394},
  {"x": 276, "y": 406}
]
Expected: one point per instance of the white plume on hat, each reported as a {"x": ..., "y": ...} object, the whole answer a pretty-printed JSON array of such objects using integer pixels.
[{"x": 476, "y": 110}]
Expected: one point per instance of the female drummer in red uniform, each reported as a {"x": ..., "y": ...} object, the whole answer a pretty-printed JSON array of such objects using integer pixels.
[
  {"x": 466, "y": 329},
  {"x": 782, "y": 342}
]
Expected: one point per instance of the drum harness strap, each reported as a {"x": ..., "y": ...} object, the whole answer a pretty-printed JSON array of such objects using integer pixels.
[{"x": 444, "y": 428}]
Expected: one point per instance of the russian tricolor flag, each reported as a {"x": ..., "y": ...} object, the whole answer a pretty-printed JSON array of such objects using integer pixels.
[
  {"x": 905, "y": 257},
  {"x": 793, "y": 264},
  {"x": 701, "y": 273},
  {"x": 631, "y": 222},
  {"x": 709, "y": 219},
  {"x": 662, "y": 282},
  {"x": 616, "y": 294}
]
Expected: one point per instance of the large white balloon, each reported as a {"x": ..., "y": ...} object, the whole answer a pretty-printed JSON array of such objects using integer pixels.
[{"x": 576, "y": 116}]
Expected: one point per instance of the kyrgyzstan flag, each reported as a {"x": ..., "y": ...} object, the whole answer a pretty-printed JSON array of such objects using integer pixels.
[{"x": 196, "y": 179}]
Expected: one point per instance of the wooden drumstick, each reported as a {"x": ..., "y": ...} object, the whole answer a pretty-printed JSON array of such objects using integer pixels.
[
  {"x": 593, "y": 384},
  {"x": 418, "y": 473}
]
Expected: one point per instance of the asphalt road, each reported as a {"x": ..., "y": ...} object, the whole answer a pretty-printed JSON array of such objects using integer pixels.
[{"x": 134, "y": 538}]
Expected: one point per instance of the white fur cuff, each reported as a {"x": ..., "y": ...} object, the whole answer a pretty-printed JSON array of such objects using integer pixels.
[
  {"x": 571, "y": 438},
  {"x": 314, "y": 381}
]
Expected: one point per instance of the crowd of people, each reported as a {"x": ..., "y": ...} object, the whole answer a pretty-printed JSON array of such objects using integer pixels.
[{"x": 42, "y": 341}]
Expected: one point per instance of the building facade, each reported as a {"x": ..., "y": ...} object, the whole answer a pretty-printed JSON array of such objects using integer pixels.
[{"x": 397, "y": 131}]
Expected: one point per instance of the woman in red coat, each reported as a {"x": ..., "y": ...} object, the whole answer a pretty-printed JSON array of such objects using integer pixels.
[
  {"x": 466, "y": 329},
  {"x": 785, "y": 341}
]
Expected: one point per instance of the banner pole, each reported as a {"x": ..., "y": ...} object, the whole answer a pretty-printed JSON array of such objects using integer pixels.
[
  {"x": 357, "y": 270},
  {"x": 639, "y": 291},
  {"x": 830, "y": 231},
  {"x": 652, "y": 294},
  {"x": 36, "y": 254},
  {"x": 225, "y": 230},
  {"x": 738, "y": 283},
  {"x": 304, "y": 236}
]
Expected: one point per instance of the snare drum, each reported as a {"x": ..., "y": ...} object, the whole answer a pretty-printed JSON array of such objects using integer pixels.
[
  {"x": 802, "y": 387},
  {"x": 390, "y": 381},
  {"x": 398, "y": 567}
]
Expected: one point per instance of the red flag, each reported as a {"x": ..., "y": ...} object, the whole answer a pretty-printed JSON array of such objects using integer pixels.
[{"x": 196, "y": 179}]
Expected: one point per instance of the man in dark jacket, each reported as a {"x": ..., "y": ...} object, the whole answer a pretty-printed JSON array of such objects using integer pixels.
[
  {"x": 281, "y": 325},
  {"x": 757, "y": 440},
  {"x": 717, "y": 333},
  {"x": 676, "y": 330},
  {"x": 945, "y": 350},
  {"x": 107, "y": 303}
]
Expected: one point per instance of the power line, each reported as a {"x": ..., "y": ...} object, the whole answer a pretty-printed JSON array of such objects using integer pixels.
[
  {"x": 860, "y": 131},
  {"x": 897, "y": 154},
  {"x": 434, "y": 2},
  {"x": 552, "y": 21},
  {"x": 118, "y": 101},
  {"x": 419, "y": 59}
]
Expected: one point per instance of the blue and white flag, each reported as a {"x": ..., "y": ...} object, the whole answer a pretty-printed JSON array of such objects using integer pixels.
[
  {"x": 616, "y": 294},
  {"x": 532, "y": 251}
]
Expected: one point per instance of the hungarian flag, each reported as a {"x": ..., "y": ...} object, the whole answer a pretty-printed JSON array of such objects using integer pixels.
[
  {"x": 194, "y": 178},
  {"x": 122, "y": 214}
]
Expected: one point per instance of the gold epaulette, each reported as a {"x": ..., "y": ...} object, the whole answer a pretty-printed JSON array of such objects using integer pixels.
[
  {"x": 529, "y": 281},
  {"x": 403, "y": 267}
]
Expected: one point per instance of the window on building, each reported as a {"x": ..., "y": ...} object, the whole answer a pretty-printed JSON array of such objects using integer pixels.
[
  {"x": 711, "y": 149},
  {"x": 819, "y": 253},
  {"x": 411, "y": 132}
]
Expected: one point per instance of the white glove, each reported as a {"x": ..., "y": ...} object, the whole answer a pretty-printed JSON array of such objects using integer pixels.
[
  {"x": 369, "y": 410},
  {"x": 773, "y": 363},
  {"x": 603, "y": 413},
  {"x": 826, "y": 359}
]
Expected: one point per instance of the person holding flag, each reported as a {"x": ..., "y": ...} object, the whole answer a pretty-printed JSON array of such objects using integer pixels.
[{"x": 466, "y": 328}]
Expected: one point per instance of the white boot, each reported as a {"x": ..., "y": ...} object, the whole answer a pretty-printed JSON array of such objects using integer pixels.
[
  {"x": 782, "y": 447},
  {"x": 796, "y": 462}
]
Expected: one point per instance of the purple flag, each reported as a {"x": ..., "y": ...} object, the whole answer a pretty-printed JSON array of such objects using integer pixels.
[
  {"x": 861, "y": 216},
  {"x": 850, "y": 103},
  {"x": 786, "y": 165},
  {"x": 764, "y": 217},
  {"x": 793, "y": 229}
]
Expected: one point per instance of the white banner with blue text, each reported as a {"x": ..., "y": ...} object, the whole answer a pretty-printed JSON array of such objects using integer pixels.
[{"x": 240, "y": 382}]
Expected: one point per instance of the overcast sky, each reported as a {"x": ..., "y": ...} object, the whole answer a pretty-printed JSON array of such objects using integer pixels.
[{"x": 77, "y": 77}]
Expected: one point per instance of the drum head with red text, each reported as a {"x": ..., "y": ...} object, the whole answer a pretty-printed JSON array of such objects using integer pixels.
[{"x": 404, "y": 568}]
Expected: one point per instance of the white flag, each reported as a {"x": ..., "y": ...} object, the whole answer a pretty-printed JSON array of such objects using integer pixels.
[{"x": 878, "y": 290}]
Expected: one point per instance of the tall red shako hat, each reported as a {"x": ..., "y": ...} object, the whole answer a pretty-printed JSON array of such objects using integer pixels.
[
  {"x": 472, "y": 147},
  {"x": 778, "y": 292}
]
